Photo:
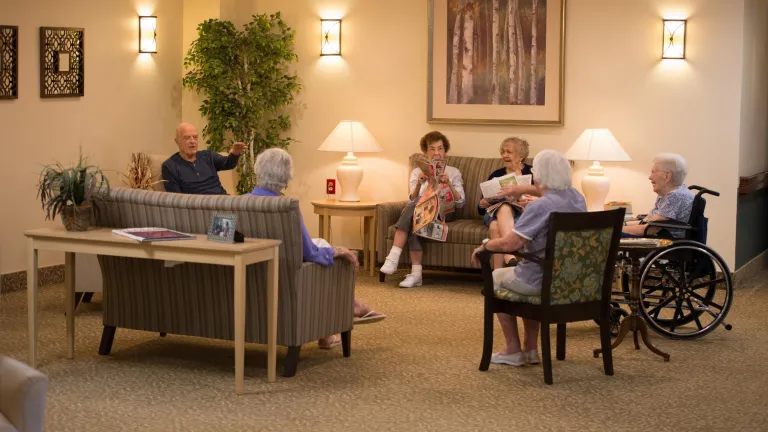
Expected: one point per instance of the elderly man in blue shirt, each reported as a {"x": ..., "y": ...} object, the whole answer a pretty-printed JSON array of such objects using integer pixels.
[
  {"x": 193, "y": 171},
  {"x": 552, "y": 182}
]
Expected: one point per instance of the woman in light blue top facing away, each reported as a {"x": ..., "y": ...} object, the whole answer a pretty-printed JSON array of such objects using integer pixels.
[
  {"x": 552, "y": 179},
  {"x": 274, "y": 168}
]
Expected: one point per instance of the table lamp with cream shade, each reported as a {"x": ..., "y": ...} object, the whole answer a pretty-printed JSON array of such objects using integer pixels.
[
  {"x": 596, "y": 145},
  {"x": 350, "y": 137}
]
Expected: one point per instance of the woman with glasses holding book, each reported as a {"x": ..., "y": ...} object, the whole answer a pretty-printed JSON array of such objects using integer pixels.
[{"x": 500, "y": 214}]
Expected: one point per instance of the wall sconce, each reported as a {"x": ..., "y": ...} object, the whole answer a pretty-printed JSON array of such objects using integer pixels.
[
  {"x": 673, "y": 44},
  {"x": 330, "y": 44},
  {"x": 148, "y": 34}
]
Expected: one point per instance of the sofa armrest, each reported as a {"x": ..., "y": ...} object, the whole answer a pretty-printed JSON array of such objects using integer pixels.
[
  {"x": 22, "y": 395},
  {"x": 386, "y": 215},
  {"x": 324, "y": 299}
]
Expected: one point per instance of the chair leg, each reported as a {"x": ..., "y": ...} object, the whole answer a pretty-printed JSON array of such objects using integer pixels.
[
  {"x": 346, "y": 342},
  {"x": 382, "y": 277},
  {"x": 163, "y": 334},
  {"x": 560, "y": 352},
  {"x": 546, "y": 353},
  {"x": 485, "y": 360},
  {"x": 78, "y": 299},
  {"x": 87, "y": 297},
  {"x": 605, "y": 345},
  {"x": 291, "y": 361},
  {"x": 107, "y": 337}
]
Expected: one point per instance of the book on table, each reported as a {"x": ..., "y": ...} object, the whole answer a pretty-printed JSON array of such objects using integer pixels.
[{"x": 152, "y": 234}]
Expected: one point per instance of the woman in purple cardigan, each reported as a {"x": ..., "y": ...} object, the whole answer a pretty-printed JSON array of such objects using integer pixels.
[{"x": 274, "y": 168}]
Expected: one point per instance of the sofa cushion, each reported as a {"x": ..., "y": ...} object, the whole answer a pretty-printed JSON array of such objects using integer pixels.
[{"x": 462, "y": 231}]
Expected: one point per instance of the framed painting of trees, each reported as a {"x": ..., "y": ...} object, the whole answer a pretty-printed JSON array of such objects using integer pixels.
[{"x": 496, "y": 61}]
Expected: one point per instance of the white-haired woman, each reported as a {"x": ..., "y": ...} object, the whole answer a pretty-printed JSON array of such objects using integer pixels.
[
  {"x": 274, "y": 168},
  {"x": 674, "y": 200},
  {"x": 513, "y": 152},
  {"x": 552, "y": 177}
]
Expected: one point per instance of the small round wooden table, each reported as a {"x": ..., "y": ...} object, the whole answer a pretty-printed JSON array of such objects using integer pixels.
[
  {"x": 634, "y": 250},
  {"x": 365, "y": 209}
]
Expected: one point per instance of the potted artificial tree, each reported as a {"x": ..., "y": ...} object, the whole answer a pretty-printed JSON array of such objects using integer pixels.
[
  {"x": 70, "y": 191},
  {"x": 245, "y": 78}
]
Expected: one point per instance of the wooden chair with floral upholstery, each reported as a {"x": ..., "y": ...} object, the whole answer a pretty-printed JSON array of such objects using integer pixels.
[{"x": 578, "y": 268}]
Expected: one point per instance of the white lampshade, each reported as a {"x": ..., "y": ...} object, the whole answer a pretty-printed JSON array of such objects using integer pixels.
[
  {"x": 350, "y": 137},
  {"x": 596, "y": 145}
]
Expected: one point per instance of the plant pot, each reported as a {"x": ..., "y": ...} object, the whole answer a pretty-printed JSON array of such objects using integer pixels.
[{"x": 78, "y": 220}]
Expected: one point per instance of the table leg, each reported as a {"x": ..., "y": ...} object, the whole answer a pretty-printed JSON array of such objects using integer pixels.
[
  {"x": 69, "y": 301},
  {"x": 327, "y": 228},
  {"x": 32, "y": 281},
  {"x": 321, "y": 226},
  {"x": 366, "y": 241},
  {"x": 239, "y": 303},
  {"x": 272, "y": 305},
  {"x": 372, "y": 244}
]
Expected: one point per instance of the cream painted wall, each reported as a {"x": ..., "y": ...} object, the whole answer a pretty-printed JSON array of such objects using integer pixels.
[
  {"x": 753, "y": 143},
  {"x": 131, "y": 103},
  {"x": 614, "y": 79}
]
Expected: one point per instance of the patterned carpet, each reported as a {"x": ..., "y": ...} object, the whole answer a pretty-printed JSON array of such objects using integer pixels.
[{"x": 417, "y": 370}]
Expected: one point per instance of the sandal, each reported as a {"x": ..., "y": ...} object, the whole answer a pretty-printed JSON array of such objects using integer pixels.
[
  {"x": 336, "y": 342},
  {"x": 371, "y": 317}
]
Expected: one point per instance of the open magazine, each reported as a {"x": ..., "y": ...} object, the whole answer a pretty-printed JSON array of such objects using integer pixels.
[
  {"x": 491, "y": 188},
  {"x": 430, "y": 211},
  {"x": 152, "y": 234}
]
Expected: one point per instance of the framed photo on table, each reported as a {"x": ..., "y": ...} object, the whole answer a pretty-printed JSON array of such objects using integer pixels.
[
  {"x": 221, "y": 227},
  {"x": 496, "y": 62}
]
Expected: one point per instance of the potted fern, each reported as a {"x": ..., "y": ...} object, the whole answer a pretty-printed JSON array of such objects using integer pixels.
[{"x": 70, "y": 191}]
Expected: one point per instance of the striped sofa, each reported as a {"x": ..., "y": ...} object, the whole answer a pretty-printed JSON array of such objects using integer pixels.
[
  {"x": 197, "y": 299},
  {"x": 464, "y": 234}
]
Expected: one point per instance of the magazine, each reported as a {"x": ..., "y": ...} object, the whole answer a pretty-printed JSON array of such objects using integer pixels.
[
  {"x": 491, "y": 188},
  {"x": 426, "y": 209},
  {"x": 152, "y": 234},
  {"x": 491, "y": 210},
  {"x": 435, "y": 230}
]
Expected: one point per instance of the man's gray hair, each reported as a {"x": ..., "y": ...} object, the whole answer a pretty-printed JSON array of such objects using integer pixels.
[
  {"x": 552, "y": 170},
  {"x": 273, "y": 169},
  {"x": 674, "y": 164}
]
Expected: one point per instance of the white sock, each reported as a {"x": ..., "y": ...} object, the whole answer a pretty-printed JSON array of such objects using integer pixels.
[
  {"x": 416, "y": 269},
  {"x": 394, "y": 254}
]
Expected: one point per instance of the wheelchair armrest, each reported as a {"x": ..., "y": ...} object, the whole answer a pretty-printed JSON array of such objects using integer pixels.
[{"x": 669, "y": 224}]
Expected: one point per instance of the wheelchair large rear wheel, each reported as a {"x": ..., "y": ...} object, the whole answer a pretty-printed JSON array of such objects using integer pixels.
[{"x": 686, "y": 290}]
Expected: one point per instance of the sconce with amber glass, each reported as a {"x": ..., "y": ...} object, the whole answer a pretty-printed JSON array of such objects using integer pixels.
[
  {"x": 673, "y": 44},
  {"x": 331, "y": 37},
  {"x": 148, "y": 34}
]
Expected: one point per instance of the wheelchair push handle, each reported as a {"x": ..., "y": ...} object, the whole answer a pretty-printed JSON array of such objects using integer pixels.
[{"x": 703, "y": 190}]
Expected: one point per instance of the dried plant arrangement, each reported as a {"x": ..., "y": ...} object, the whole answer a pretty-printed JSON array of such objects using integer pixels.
[{"x": 140, "y": 172}]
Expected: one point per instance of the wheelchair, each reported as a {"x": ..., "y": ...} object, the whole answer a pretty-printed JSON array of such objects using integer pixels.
[{"x": 686, "y": 287}]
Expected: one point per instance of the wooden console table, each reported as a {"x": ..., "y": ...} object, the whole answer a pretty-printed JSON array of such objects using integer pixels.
[{"x": 101, "y": 241}]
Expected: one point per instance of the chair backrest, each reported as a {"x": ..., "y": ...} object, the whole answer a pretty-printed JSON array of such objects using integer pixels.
[
  {"x": 697, "y": 219},
  {"x": 580, "y": 256}
]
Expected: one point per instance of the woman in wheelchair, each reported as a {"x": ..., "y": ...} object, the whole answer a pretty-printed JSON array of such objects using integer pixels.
[
  {"x": 552, "y": 178},
  {"x": 674, "y": 201}
]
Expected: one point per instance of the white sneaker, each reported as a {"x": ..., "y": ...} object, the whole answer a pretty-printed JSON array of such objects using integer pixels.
[
  {"x": 516, "y": 359},
  {"x": 410, "y": 281},
  {"x": 389, "y": 267},
  {"x": 532, "y": 357}
]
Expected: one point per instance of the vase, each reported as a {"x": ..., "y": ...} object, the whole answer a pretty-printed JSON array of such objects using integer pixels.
[{"x": 76, "y": 219}]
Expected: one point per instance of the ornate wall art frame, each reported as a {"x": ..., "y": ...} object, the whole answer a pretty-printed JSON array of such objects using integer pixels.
[
  {"x": 62, "y": 62},
  {"x": 9, "y": 62},
  {"x": 489, "y": 64}
]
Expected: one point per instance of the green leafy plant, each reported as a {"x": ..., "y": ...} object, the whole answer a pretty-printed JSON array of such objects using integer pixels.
[
  {"x": 61, "y": 187},
  {"x": 244, "y": 78}
]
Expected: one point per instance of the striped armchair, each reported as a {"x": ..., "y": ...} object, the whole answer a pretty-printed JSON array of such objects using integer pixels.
[
  {"x": 196, "y": 299},
  {"x": 464, "y": 234}
]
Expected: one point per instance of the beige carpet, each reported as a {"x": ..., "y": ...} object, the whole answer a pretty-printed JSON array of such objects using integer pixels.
[{"x": 417, "y": 370}]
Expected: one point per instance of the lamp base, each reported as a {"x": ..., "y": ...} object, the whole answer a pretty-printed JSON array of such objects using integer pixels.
[
  {"x": 350, "y": 174},
  {"x": 595, "y": 186}
]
